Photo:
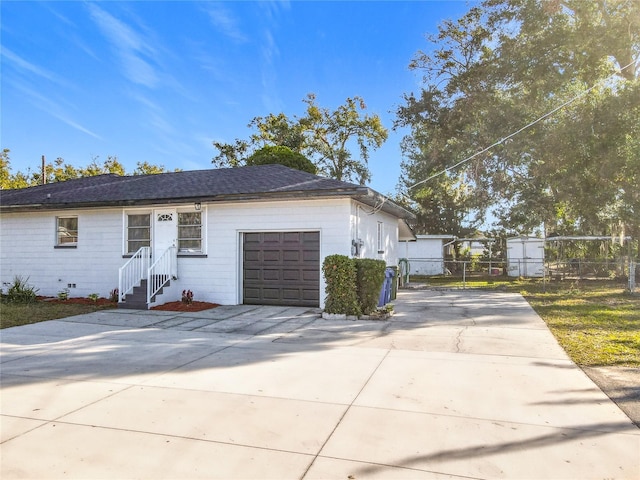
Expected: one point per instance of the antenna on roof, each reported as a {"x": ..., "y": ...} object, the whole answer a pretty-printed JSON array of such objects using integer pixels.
[{"x": 44, "y": 171}]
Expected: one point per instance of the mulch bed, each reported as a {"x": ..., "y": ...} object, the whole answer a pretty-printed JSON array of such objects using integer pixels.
[
  {"x": 185, "y": 307},
  {"x": 101, "y": 302}
]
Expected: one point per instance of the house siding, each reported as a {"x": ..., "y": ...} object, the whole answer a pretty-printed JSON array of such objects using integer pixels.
[
  {"x": 27, "y": 250},
  {"x": 227, "y": 222},
  {"x": 364, "y": 227},
  {"x": 27, "y": 242}
]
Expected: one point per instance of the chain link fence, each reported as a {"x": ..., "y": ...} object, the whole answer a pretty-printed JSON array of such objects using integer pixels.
[{"x": 622, "y": 270}]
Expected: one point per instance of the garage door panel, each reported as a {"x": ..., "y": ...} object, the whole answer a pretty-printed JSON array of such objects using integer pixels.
[
  {"x": 270, "y": 274},
  {"x": 252, "y": 274},
  {"x": 282, "y": 268},
  {"x": 291, "y": 275},
  {"x": 271, "y": 256},
  {"x": 271, "y": 238},
  {"x": 251, "y": 238},
  {"x": 311, "y": 295},
  {"x": 291, "y": 237},
  {"x": 290, "y": 294},
  {"x": 271, "y": 293},
  {"x": 310, "y": 256},
  {"x": 291, "y": 256},
  {"x": 252, "y": 256},
  {"x": 310, "y": 275}
]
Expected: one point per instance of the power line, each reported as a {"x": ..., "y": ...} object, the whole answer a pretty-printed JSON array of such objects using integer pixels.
[{"x": 548, "y": 114}]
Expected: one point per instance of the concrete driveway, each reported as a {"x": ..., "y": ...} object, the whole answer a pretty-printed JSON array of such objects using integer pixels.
[{"x": 459, "y": 384}]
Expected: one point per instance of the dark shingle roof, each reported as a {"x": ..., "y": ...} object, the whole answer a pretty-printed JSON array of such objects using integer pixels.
[{"x": 245, "y": 183}]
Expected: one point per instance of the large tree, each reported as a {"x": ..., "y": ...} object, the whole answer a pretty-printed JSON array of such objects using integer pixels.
[
  {"x": 327, "y": 137},
  {"x": 552, "y": 88}
]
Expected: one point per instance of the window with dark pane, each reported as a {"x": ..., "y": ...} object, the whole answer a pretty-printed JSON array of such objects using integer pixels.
[
  {"x": 190, "y": 232},
  {"x": 138, "y": 232}
]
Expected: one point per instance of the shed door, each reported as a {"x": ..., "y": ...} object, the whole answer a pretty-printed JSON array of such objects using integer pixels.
[{"x": 281, "y": 268}]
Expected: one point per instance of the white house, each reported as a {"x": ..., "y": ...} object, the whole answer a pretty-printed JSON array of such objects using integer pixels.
[
  {"x": 253, "y": 235},
  {"x": 426, "y": 254}
]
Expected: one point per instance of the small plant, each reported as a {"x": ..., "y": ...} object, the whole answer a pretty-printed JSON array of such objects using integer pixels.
[
  {"x": 94, "y": 297},
  {"x": 63, "y": 294},
  {"x": 388, "y": 308},
  {"x": 21, "y": 292},
  {"x": 114, "y": 295},
  {"x": 187, "y": 297}
]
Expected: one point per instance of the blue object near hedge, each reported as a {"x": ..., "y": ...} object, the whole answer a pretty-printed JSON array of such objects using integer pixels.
[{"x": 385, "y": 292}]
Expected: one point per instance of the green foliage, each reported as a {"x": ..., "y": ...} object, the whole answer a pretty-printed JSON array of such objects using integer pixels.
[
  {"x": 340, "y": 276},
  {"x": 21, "y": 292},
  {"x": 284, "y": 156},
  {"x": 324, "y": 136},
  {"x": 146, "y": 168},
  {"x": 501, "y": 66},
  {"x": 94, "y": 297},
  {"x": 353, "y": 285},
  {"x": 59, "y": 171},
  {"x": 63, "y": 294},
  {"x": 370, "y": 275},
  {"x": 329, "y": 132}
]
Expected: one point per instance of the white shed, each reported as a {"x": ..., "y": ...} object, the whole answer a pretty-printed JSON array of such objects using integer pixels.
[
  {"x": 525, "y": 256},
  {"x": 426, "y": 254}
]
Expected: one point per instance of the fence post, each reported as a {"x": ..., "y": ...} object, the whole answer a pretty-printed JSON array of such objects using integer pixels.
[{"x": 464, "y": 275}]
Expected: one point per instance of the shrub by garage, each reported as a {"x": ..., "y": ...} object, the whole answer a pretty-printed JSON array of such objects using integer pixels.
[{"x": 352, "y": 285}]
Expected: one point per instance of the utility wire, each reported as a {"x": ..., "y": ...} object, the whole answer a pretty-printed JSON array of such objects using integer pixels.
[{"x": 548, "y": 114}]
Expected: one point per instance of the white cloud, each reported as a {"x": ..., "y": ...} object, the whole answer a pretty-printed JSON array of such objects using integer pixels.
[
  {"x": 52, "y": 108},
  {"x": 25, "y": 66},
  {"x": 134, "y": 51},
  {"x": 225, "y": 22},
  {"x": 273, "y": 8}
]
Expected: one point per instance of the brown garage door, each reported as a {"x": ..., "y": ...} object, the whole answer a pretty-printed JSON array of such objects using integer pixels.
[{"x": 281, "y": 268}]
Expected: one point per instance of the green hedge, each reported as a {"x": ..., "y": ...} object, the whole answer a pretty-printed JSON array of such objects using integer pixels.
[
  {"x": 369, "y": 280},
  {"x": 353, "y": 285},
  {"x": 340, "y": 276}
]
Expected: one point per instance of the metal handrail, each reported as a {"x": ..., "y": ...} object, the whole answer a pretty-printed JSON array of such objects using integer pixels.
[
  {"x": 161, "y": 271},
  {"x": 133, "y": 272}
]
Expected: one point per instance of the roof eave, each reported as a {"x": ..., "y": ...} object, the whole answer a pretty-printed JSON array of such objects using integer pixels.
[
  {"x": 379, "y": 201},
  {"x": 263, "y": 196}
]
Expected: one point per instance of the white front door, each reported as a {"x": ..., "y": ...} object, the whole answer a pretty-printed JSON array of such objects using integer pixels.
[{"x": 165, "y": 229}]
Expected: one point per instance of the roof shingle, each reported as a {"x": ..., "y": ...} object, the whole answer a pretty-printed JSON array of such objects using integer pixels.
[{"x": 256, "y": 182}]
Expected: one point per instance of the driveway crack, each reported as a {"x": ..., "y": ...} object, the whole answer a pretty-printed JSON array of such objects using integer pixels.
[{"x": 344, "y": 414}]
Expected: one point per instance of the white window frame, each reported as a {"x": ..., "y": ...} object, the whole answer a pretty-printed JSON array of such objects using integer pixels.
[
  {"x": 203, "y": 231},
  {"x": 58, "y": 231},
  {"x": 125, "y": 221},
  {"x": 380, "y": 237}
]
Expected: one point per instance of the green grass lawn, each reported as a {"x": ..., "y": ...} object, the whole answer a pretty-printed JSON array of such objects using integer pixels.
[
  {"x": 13, "y": 314},
  {"x": 596, "y": 326},
  {"x": 596, "y": 322}
]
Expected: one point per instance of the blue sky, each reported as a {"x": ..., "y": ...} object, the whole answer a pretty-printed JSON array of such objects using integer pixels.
[{"x": 159, "y": 81}]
